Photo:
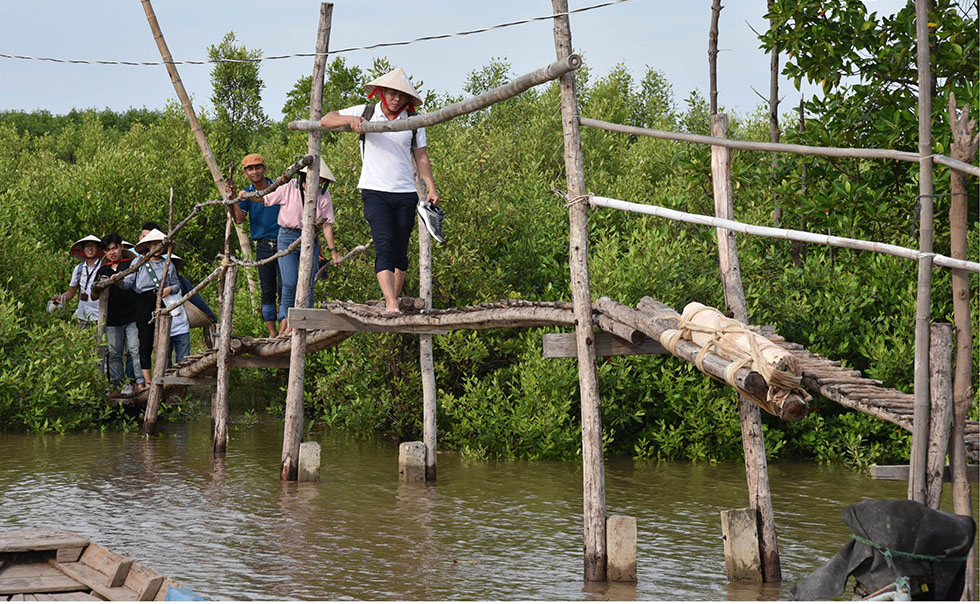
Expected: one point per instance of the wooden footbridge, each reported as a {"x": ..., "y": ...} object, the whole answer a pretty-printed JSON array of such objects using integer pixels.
[
  {"x": 622, "y": 330},
  {"x": 601, "y": 327}
]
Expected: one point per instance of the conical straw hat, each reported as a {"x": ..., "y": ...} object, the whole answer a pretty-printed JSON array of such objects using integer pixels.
[
  {"x": 324, "y": 171},
  {"x": 397, "y": 80},
  {"x": 153, "y": 237},
  {"x": 76, "y": 248}
]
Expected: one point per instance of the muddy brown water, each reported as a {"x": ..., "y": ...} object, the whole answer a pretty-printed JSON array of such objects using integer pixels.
[{"x": 229, "y": 529}]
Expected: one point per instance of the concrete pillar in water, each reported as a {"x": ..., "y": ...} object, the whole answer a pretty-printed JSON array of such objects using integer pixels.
[
  {"x": 309, "y": 462},
  {"x": 740, "y": 532},
  {"x": 411, "y": 462},
  {"x": 621, "y": 548}
]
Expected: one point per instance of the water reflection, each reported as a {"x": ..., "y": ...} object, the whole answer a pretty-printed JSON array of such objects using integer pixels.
[{"x": 228, "y": 528}]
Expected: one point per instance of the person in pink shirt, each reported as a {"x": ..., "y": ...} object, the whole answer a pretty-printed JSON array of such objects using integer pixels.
[{"x": 289, "y": 198}]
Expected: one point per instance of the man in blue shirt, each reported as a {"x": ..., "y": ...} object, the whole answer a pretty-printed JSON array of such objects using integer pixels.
[{"x": 263, "y": 224}]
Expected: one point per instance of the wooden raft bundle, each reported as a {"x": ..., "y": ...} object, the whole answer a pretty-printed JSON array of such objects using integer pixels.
[{"x": 714, "y": 332}]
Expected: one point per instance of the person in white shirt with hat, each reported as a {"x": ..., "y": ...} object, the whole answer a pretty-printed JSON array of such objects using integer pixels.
[
  {"x": 89, "y": 250},
  {"x": 387, "y": 181}
]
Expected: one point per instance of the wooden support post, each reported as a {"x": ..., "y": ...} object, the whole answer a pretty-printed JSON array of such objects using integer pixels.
[
  {"x": 219, "y": 408},
  {"x": 161, "y": 354},
  {"x": 965, "y": 144},
  {"x": 293, "y": 429},
  {"x": 426, "y": 361},
  {"x": 753, "y": 445},
  {"x": 621, "y": 543},
  {"x": 101, "y": 345},
  {"x": 593, "y": 473},
  {"x": 941, "y": 412},
  {"x": 739, "y": 531},
  {"x": 923, "y": 291},
  {"x": 202, "y": 141},
  {"x": 412, "y": 462},
  {"x": 309, "y": 462}
]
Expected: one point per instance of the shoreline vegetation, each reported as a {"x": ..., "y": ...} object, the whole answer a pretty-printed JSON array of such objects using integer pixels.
[{"x": 99, "y": 171}]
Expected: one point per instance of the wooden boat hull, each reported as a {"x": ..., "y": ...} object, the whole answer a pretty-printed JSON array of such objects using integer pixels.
[{"x": 49, "y": 564}]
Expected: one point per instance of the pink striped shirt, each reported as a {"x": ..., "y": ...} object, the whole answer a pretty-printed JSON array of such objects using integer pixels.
[{"x": 288, "y": 198}]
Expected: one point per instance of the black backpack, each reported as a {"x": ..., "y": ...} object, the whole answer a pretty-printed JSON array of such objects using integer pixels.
[{"x": 368, "y": 113}]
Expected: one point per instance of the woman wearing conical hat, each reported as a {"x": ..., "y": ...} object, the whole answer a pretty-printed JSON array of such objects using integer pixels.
[{"x": 387, "y": 181}]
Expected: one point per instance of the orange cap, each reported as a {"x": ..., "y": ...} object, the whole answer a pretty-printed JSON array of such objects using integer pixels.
[{"x": 252, "y": 159}]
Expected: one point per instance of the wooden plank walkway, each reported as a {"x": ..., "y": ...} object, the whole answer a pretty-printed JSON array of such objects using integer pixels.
[{"x": 823, "y": 376}]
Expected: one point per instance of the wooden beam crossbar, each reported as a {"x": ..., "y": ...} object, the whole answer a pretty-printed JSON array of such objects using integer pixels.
[{"x": 470, "y": 105}]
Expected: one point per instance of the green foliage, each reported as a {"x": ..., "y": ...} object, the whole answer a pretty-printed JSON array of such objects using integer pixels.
[
  {"x": 49, "y": 375},
  {"x": 236, "y": 95}
]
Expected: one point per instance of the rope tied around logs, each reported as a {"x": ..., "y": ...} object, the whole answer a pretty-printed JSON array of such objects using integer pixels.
[
  {"x": 782, "y": 381},
  {"x": 891, "y": 554},
  {"x": 569, "y": 202}
]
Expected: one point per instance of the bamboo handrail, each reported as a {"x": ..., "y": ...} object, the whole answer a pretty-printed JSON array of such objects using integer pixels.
[
  {"x": 791, "y": 234},
  {"x": 907, "y": 156},
  {"x": 470, "y": 105}
]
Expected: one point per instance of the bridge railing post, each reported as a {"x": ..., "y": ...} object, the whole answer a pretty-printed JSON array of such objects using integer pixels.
[{"x": 293, "y": 430}]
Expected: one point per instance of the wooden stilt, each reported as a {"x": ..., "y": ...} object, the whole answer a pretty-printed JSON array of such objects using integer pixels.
[
  {"x": 923, "y": 292},
  {"x": 426, "y": 361},
  {"x": 161, "y": 353},
  {"x": 293, "y": 430},
  {"x": 219, "y": 409},
  {"x": 101, "y": 345},
  {"x": 941, "y": 415},
  {"x": 593, "y": 473},
  {"x": 754, "y": 448}
]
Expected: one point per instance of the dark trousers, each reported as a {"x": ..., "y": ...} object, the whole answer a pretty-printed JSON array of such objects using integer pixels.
[
  {"x": 391, "y": 216},
  {"x": 269, "y": 278},
  {"x": 144, "y": 312}
]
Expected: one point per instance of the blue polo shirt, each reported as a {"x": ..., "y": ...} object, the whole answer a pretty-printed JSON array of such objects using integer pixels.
[{"x": 263, "y": 220}]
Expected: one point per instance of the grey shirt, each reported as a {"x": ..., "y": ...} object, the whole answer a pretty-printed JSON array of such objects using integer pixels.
[{"x": 142, "y": 281}]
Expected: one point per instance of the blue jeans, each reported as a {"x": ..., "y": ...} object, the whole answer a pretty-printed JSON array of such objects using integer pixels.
[
  {"x": 391, "y": 217},
  {"x": 269, "y": 278},
  {"x": 180, "y": 344},
  {"x": 289, "y": 269},
  {"x": 120, "y": 337}
]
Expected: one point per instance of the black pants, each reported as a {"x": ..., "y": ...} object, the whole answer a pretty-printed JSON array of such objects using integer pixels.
[
  {"x": 269, "y": 278},
  {"x": 144, "y": 312},
  {"x": 391, "y": 217}
]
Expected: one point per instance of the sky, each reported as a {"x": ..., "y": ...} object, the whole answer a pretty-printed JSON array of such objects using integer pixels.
[{"x": 670, "y": 36}]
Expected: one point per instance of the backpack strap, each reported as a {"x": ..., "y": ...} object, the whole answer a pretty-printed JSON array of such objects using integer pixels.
[{"x": 368, "y": 113}]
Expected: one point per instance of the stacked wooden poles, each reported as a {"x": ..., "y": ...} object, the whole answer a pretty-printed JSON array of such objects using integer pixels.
[
  {"x": 426, "y": 361},
  {"x": 293, "y": 430},
  {"x": 593, "y": 479},
  {"x": 923, "y": 292},
  {"x": 754, "y": 448}
]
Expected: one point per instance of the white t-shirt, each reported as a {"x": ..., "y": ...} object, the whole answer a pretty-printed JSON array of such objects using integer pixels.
[
  {"x": 83, "y": 277},
  {"x": 386, "y": 159}
]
